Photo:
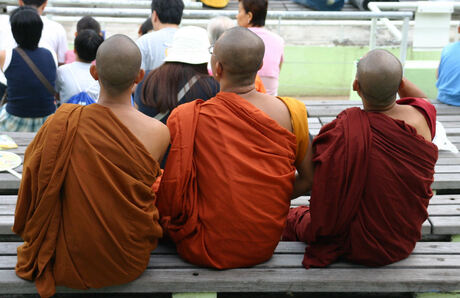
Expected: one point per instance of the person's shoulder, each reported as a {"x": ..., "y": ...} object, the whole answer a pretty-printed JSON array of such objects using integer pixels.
[{"x": 451, "y": 49}]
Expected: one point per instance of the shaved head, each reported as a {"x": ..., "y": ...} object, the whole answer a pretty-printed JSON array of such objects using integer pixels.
[
  {"x": 241, "y": 53},
  {"x": 379, "y": 75},
  {"x": 118, "y": 61}
]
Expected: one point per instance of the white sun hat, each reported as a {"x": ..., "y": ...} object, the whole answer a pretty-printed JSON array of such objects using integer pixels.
[{"x": 190, "y": 45}]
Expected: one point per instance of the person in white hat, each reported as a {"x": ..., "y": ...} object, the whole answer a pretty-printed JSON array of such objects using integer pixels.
[{"x": 182, "y": 78}]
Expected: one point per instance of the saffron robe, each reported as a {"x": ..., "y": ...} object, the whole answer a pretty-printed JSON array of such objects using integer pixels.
[
  {"x": 371, "y": 189},
  {"x": 85, "y": 206},
  {"x": 225, "y": 191}
]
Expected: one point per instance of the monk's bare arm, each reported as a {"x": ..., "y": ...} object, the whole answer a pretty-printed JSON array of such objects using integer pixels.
[
  {"x": 304, "y": 177},
  {"x": 409, "y": 89},
  {"x": 163, "y": 141}
]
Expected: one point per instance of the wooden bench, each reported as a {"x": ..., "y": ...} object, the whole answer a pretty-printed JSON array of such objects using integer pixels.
[{"x": 433, "y": 266}]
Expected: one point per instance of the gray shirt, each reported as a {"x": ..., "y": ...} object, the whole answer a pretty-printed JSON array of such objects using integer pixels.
[{"x": 153, "y": 47}]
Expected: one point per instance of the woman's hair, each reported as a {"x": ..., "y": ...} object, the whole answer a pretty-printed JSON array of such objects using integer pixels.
[
  {"x": 26, "y": 26},
  {"x": 258, "y": 9},
  {"x": 146, "y": 26},
  {"x": 163, "y": 83}
]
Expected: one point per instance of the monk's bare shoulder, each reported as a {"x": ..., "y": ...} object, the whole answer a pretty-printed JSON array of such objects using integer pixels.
[
  {"x": 414, "y": 118},
  {"x": 155, "y": 135},
  {"x": 274, "y": 108}
]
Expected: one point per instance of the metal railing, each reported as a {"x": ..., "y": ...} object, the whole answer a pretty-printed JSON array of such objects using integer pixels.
[{"x": 122, "y": 12}]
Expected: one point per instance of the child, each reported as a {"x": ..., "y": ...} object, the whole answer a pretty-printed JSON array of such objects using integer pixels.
[{"x": 75, "y": 77}]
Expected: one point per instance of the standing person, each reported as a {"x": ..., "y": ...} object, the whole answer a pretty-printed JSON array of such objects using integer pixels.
[
  {"x": 85, "y": 23},
  {"x": 252, "y": 14},
  {"x": 230, "y": 173},
  {"x": 373, "y": 173},
  {"x": 29, "y": 101},
  {"x": 75, "y": 77},
  {"x": 182, "y": 78},
  {"x": 86, "y": 209},
  {"x": 166, "y": 17},
  {"x": 449, "y": 74}
]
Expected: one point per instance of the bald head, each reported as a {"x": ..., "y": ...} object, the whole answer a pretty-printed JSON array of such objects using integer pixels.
[
  {"x": 241, "y": 53},
  {"x": 118, "y": 61},
  {"x": 379, "y": 75}
]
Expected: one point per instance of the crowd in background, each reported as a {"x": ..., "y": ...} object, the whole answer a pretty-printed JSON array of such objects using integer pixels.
[{"x": 176, "y": 61}]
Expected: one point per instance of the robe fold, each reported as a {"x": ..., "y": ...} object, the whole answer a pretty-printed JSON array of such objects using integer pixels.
[
  {"x": 371, "y": 189},
  {"x": 85, "y": 209},
  {"x": 225, "y": 192}
]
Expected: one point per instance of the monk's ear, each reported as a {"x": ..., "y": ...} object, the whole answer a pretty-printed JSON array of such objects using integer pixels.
[
  {"x": 250, "y": 16},
  {"x": 261, "y": 65},
  {"x": 356, "y": 85},
  {"x": 402, "y": 84},
  {"x": 93, "y": 72},
  {"x": 219, "y": 69},
  {"x": 140, "y": 76}
]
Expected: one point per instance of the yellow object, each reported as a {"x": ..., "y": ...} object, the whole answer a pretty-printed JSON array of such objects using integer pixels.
[
  {"x": 215, "y": 3},
  {"x": 299, "y": 124},
  {"x": 6, "y": 142}
]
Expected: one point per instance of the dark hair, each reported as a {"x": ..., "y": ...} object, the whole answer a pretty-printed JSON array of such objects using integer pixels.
[
  {"x": 36, "y": 3},
  {"x": 88, "y": 22},
  {"x": 163, "y": 83},
  {"x": 258, "y": 9},
  {"x": 86, "y": 44},
  {"x": 168, "y": 11},
  {"x": 26, "y": 26},
  {"x": 146, "y": 26}
]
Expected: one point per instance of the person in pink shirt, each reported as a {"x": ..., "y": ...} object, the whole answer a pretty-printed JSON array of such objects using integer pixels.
[{"x": 252, "y": 14}]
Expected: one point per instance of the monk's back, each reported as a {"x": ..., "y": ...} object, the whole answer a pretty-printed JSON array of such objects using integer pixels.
[{"x": 412, "y": 117}]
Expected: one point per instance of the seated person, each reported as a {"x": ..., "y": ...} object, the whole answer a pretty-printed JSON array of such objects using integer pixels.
[
  {"x": 85, "y": 23},
  {"x": 30, "y": 99},
  {"x": 75, "y": 77},
  {"x": 226, "y": 189},
  {"x": 85, "y": 209},
  {"x": 373, "y": 173},
  {"x": 449, "y": 74},
  {"x": 182, "y": 78}
]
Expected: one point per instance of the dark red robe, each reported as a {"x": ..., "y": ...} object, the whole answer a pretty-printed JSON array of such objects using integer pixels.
[{"x": 371, "y": 189}]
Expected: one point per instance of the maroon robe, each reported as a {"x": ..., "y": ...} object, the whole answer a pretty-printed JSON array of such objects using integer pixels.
[{"x": 371, "y": 189}]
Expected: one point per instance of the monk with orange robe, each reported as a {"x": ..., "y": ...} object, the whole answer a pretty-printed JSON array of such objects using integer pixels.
[
  {"x": 85, "y": 206},
  {"x": 373, "y": 173},
  {"x": 229, "y": 177}
]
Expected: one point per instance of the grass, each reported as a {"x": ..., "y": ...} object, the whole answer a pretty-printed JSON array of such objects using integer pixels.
[{"x": 328, "y": 71}]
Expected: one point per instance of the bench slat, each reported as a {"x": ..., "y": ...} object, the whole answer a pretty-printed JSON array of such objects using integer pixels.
[{"x": 260, "y": 280}]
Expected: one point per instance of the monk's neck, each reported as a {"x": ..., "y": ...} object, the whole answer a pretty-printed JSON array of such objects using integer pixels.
[
  {"x": 378, "y": 109},
  {"x": 240, "y": 90},
  {"x": 122, "y": 100}
]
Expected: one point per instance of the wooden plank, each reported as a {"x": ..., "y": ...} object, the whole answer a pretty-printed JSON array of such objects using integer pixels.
[
  {"x": 6, "y": 222},
  {"x": 444, "y": 210},
  {"x": 289, "y": 261},
  {"x": 257, "y": 280},
  {"x": 445, "y": 225},
  {"x": 8, "y": 200},
  {"x": 284, "y": 247}
]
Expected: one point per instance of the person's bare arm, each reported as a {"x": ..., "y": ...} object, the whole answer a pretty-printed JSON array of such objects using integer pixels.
[
  {"x": 2, "y": 59},
  {"x": 163, "y": 140},
  {"x": 409, "y": 89},
  {"x": 304, "y": 177}
]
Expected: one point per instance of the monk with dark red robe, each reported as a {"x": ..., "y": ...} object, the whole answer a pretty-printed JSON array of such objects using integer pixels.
[
  {"x": 85, "y": 206},
  {"x": 229, "y": 177},
  {"x": 373, "y": 173}
]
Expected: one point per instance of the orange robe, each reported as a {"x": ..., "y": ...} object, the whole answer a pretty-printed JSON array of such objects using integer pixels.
[
  {"x": 225, "y": 192},
  {"x": 85, "y": 207},
  {"x": 260, "y": 85}
]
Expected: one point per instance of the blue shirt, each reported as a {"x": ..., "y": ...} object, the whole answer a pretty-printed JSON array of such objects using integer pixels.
[
  {"x": 27, "y": 96},
  {"x": 449, "y": 75}
]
